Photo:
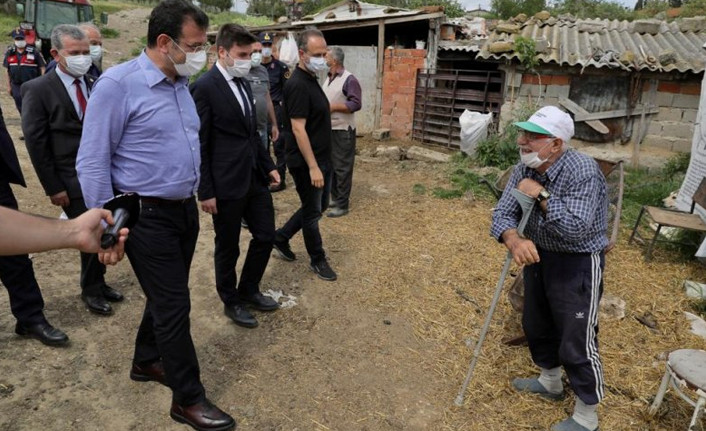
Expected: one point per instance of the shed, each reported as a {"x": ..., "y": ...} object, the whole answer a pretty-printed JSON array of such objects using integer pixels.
[
  {"x": 624, "y": 82},
  {"x": 383, "y": 49}
]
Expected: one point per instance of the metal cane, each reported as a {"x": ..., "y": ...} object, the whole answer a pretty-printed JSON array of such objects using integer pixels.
[{"x": 527, "y": 204}]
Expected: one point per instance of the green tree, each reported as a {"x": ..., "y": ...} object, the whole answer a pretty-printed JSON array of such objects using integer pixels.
[
  {"x": 217, "y": 5},
  {"x": 272, "y": 9},
  {"x": 505, "y": 9},
  {"x": 593, "y": 9}
]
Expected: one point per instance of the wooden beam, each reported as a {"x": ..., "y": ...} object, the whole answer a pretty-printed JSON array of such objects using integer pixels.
[
  {"x": 618, "y": 113},
  {"x": 596, "y": 125}
]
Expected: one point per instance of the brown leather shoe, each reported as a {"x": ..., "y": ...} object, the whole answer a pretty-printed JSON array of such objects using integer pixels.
[
  {"x": 202, "y": 416},
  {"x": 153, "y": 372}
]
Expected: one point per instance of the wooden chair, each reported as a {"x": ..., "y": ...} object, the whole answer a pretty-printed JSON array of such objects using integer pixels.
[
  {"x": 685, "y": 370},
  {"x": 673, "y": 218}
]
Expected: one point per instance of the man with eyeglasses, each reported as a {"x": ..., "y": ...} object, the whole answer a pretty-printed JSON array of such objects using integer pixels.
[
  {"x": 308, "y": 152},
  {"x": 141, "y": 134},
  {"x": 562, "y": 250}
]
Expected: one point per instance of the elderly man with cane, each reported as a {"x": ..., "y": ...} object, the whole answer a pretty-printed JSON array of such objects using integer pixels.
[{"x": 562, "y": 250}]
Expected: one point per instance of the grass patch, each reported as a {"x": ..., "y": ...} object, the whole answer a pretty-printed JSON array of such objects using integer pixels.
[
  {"x": 110, "y": 33},
  {"x": 218, "y": 19},
  {"x": 7, "y": 24},
  {"x": 419, "y": 189},
  {"x": 110, "y": 7}
]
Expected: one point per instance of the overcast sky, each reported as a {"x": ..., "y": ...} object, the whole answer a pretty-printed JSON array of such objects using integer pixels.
[{"x": 485, "y": 4}]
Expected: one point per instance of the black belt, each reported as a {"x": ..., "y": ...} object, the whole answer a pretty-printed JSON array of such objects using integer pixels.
[{"x": 165, "y": 202}]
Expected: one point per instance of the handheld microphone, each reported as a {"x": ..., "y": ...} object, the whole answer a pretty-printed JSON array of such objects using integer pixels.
[{"x": 126, "y": 211}]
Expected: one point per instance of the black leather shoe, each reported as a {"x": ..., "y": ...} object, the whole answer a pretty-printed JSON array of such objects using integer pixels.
[
  {"x": 203, "y": 416},
  {"x": 260, "y": 302},
  {"x": 241, "y": 316},
  {"x": 43, "y": 332},
  {"x": 97, "y": 304},
  {"x": 153, "y": 372},
  {"x": 111, "y": 294}
]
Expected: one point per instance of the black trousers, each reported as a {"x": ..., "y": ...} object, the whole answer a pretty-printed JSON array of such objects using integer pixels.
[
  {"x": 560, "y": 318},
  {"x": 278, "y": 145},
  {"x": 342, "y": 161},
  {"x": 92, "y": 271},
  {"x": 314, "y": 201},
  {"x": 17, "y": 274},
  {"x": 257, "y": 209},
  {"x": 160, "y": 249},
  {"x": 16, "y": 96}
]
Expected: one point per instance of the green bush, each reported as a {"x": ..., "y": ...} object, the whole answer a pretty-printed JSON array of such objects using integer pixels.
[{"x": 499, "y": 150}]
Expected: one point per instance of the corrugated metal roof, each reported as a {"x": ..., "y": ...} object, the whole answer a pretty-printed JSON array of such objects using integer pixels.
[
  {"x": 600, "y": 43},
  {"x": 341, "y": 11}
]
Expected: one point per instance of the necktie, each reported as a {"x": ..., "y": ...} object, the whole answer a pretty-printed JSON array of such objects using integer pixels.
[
  {"x": 244, "y": 97},
  {"x": 81, "y": 99},
  {"x": 246, "y": 110}
]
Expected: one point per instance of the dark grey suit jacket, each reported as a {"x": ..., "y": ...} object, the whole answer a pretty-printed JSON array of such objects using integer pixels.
[
  {"x": 10, "y": 170},
  {"x": 52, "y": 131},
  {"x": 231, "y": 150}
]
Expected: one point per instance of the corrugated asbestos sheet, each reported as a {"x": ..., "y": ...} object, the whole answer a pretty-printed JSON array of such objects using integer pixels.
[{"x": 675, "y": 46}]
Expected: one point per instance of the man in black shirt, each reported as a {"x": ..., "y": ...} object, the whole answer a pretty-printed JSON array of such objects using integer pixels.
[{"x": 308, "y": 149}]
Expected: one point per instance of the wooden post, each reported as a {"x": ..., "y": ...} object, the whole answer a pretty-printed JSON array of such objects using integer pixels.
[
  {"x": 642, "y": 126},
  {"x": 380, "y": 69}
]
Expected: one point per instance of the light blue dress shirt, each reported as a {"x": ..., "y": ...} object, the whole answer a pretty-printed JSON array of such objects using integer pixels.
[{"x": 140, "y": 134}]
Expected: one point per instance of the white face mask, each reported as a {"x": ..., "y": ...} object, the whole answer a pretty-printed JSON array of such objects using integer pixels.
[
  {"x": 239, "y": 68},
  {"x": 267, "y": 52},
  {"x": 316, "y": 64},
  {"x": 195, "y": 61},
  {"x": 256, "y": 59},
  {"x": 96, "y": 52},
  {"x": 532, "y": 160},
  {"x": 20, "y": 43},
  {"x": 78, "y": 65}
]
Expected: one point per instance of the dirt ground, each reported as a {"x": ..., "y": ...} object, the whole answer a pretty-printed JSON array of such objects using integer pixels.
[{"x": 383, "y": 348}]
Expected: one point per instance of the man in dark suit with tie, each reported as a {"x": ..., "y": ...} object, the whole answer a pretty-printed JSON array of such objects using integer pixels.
[
  {"x": 236, "y": 171},
  {"x": 52, "y": 122},
  {"x": 16, "y": 272}
]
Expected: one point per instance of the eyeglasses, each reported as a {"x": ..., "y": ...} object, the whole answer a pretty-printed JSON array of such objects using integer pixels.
[
  {"x": 193, "y": 49},
  {"x": 532, "y": 136}
]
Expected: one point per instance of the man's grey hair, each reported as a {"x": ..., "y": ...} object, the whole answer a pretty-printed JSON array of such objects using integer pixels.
[
  {"x": 64, "y": 30},
  {"x": 89, "y": 25},
  {"x": 337, "y": 54}
]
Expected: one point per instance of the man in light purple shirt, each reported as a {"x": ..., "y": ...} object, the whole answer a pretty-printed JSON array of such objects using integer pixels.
[{"x": 140, "y": 135}]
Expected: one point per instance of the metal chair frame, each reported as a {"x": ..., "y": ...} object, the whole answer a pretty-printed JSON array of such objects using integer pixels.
[
  {"x": 679, "y": 384},
  {"x": 673, "y": 218}
]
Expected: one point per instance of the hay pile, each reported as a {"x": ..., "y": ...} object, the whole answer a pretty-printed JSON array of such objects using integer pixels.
[{"x": 434, "y": 261}]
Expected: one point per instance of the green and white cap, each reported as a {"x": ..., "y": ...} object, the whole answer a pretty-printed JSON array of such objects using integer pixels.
[{"x": 551, "y": 121}]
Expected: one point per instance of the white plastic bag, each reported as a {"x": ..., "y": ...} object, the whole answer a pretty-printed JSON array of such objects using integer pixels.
[
  {"x": 288, "y": 51},
  {"x": 474, "y": 128}
]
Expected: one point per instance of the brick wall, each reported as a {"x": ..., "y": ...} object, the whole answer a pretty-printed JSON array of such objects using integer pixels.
[{"x": 398, "y": 84}]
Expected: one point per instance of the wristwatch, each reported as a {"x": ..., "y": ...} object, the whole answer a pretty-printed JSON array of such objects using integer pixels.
[{"x": 543, "y": 196}]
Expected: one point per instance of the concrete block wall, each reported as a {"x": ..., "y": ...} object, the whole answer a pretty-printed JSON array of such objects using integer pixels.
[
  {"x": 673, "y": 127},
  {"x": 398, "y": 86}
]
